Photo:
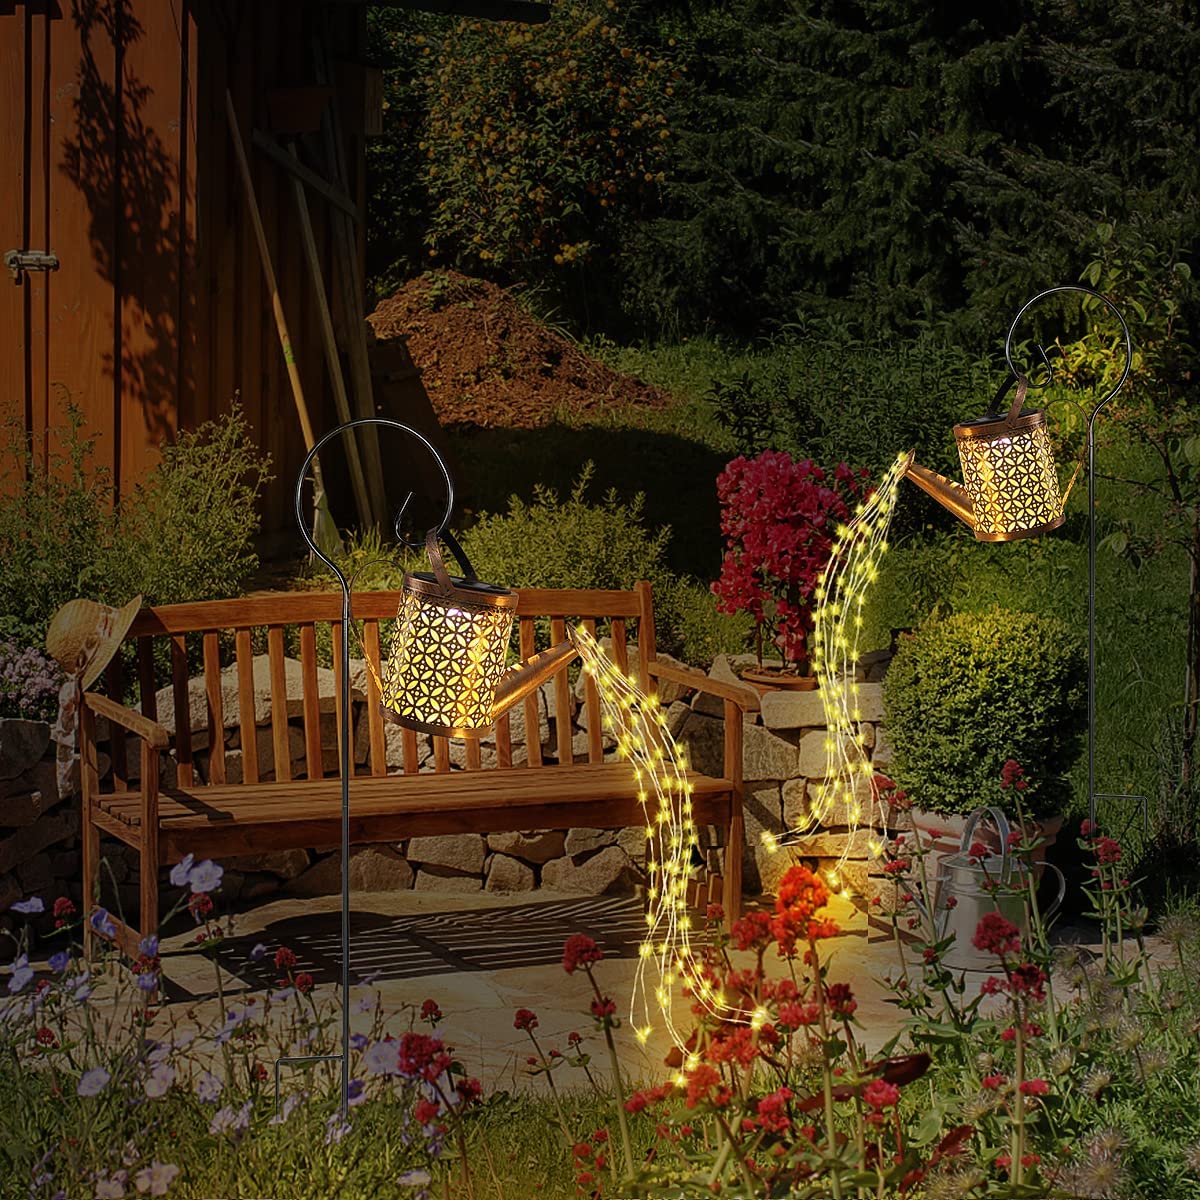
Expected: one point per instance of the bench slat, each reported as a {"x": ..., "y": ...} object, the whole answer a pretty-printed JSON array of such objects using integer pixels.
[
  {"x": 215, "y": 704},
  {"x": 183, "y": 715},
  {"x": 338, "y": 684},
  {"x": 533, "y": 727},
  {"x": 562, "y": 697},
  {"x": 473, "y": 755},
  {"x": 504, "y": 741},
  {"x": 441, "y": 755},
  {"x": 280, "y": 746},
  {"x": 312, "y": 701},
  {"x": 376, "y": 738},
  {"x": 591, "y": 701},
  {"x": 114, "y": 682},
  {"x": 244, "y": 654},
  {"x": 149, "y": 694},
  {"x": 620, "y": 646},
  {"x": 408, "y": 745}
]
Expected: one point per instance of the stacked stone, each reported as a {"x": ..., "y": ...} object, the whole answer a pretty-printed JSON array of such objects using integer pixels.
[
  {"x": 784, "y": 767},
  {"x": 39, "y": 832}
]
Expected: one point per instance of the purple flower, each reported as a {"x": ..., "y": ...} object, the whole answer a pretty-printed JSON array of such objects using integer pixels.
[
  {"x": 93, "y": 1082},
  {"x": 80, "y": 985},
  {"x": 335, "y": 1129},
  {"x": 417, "y": 1177},
  {"x": 289, "y": 1105},
  {"x": 358, "y": 1041},
  {"x": 156, "y": 1178},
  {"x": 234, "y": 1123},
  {"x": 160, "y": 1080},
  {"x": 111, "y": 1188},
  {"x": 182, "y": 869},
  {"x": 60, "y": 961},
  {"x": 102, "y": 923},
  {"x": 209, "y": 1088},
  {"x": 148, "y": 981},
  {"x": 148, "y": 946},
  {"x": 206, "y": 877},
  {"x": 258, "y": 953},
  {"x": 383, "y": 1058},
  {"x": 32, "y": 905},
  {"x": 22, "y": 973},
  {"x": 356, "y": 1093}
]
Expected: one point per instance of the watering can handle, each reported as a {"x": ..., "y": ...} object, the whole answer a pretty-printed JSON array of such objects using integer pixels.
[
  {"x": 439, "y": 567},
  {"x": 1056, "y": 903},
  {"x": 1002, "y": 828}
]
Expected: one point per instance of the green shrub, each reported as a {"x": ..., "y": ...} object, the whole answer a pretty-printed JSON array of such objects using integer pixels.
[
  {"x": 967, "y": 692},
  {"x": 185, "y": 533}
]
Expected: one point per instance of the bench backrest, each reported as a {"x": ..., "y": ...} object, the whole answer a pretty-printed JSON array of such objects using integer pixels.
[{"x": 242, "y": 646}]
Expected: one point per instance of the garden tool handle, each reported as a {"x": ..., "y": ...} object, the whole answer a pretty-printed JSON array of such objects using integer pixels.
[
  {"x": 1056, "y": 903},
  {"x": 1019, "y": 399},
  {"x": 1002, "y": 828}
]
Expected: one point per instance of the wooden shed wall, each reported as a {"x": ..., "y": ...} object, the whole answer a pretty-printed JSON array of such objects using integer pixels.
[{"x": 113, "y": 126}]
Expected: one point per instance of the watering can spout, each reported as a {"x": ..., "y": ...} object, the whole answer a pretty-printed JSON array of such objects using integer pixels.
[
  {"x": 946, "y": 492},
  {"x": 529, "y": 675}
]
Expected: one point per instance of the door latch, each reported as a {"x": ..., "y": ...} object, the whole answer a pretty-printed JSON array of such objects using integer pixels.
[{"x": 18, "y": 261}]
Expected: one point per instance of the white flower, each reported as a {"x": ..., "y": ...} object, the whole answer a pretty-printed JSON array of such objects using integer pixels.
[
  {"x": 156, "y": 1178},
  {"x": 93, "y": 1082}
]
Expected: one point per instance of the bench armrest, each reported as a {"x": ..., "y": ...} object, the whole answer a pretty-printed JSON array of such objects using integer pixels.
[
  {"x": 745, "y": 698},
  {"x": 117, "y": 714}
]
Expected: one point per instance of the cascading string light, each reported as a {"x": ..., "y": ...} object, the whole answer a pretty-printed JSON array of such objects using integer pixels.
[
  {"x": 638, "y": 724},
  {"x": 665, "y": 955},
  {"x": 838, "y": 625}
]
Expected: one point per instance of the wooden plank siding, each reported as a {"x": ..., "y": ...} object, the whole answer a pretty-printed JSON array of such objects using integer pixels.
[{"x": 113, "y": 129}]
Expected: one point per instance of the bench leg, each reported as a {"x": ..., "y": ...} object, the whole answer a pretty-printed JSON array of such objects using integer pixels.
[
  {"x": 89, "y": 781},
  {"x": 148, "y": 859},
  {"x": 735, "y": 838}
]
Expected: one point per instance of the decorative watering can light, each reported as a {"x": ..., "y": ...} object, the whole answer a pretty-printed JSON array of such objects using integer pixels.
[{"x": 445, "y": 673}]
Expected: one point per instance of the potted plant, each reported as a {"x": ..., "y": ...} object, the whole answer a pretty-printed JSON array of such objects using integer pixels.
[
  {"x": 779, "y": 517},
  {"x": 970, "y": 696}
]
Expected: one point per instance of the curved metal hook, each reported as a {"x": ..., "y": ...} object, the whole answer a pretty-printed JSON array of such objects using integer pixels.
[
  {"x": 390, "y": 424},
  {"x": 1087, "y": 291}
]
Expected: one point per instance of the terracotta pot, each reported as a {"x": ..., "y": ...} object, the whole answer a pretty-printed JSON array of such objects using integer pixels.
[
  {"x": 949, "y": 830},
  {"x": 772, "y": 679}
]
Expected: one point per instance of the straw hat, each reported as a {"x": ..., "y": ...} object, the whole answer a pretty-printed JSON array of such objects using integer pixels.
[{"x": 84, "y": 635}]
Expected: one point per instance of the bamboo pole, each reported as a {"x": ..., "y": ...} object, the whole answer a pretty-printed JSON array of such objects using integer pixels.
[{"x": 325, "y": 532}]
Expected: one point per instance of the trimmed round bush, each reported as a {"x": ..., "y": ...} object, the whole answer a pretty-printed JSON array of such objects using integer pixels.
[{"x": 967, "y": 692}]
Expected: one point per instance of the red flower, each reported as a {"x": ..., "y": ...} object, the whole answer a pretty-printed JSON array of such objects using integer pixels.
[
  {"x": 800, "y": 894},
  {"x": 430, "y": 1011},
  {"x": 426, "y": 1111},
  {"x": 1107, "y": 850},
  {"x": 1087, "y": 827},
  {"x": 580, "y": 951},
  {"x": 994, "y": 1082},
  {"x": 285, "y": 959},
  {"x": 841, "y": 1000},
  {"x": 795, "y": 1016},
  {"x": 1030, "y": 1160},
  {"x": 582, "y": 1150},
  {"x": 643, "y": 1099},
  {"x": 897, "y": 866},
  {"x": 705, "y": 1086},
  {"x": 200, "y": 905},
  {"x": 45, "y": 1036},
  {"x": 525, "y": 1020},
  {"x": 603, "y": 1009},
  {"x": 469, "y": 1090},
  {"x": 1028, "y": 980},
  {"x": 715, "y": 913},
  {"x": 260, "y": 1072},
  {"x": 573, "y": 1039},
  {"x": 420, "y": 1054},
  {"x": 1034, "y": 1087},
  {"x": 996, "y": 935},
  {"x": 879, "y": 1094},
  {"x": 1012, "y": 774},
  {"x": 64, "y": 910},
  {"x": 977, "y": 851},
  {"x": 304, "y": 983},
  {"x": 772, "y": 1111},
  {"x": 752, "y": 932}
]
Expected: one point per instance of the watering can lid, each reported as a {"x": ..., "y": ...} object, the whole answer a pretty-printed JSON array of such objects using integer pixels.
[{"x": 492, "y": 594}]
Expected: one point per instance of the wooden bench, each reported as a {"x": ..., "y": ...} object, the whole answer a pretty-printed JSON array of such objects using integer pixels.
[{"x": 301, "y": 808}]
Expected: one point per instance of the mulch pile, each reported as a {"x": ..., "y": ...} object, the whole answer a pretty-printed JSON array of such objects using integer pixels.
[{"x": 485, "y": 361}]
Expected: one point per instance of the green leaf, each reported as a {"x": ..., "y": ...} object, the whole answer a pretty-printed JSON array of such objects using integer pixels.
[{"x": 1117, "y": 543}]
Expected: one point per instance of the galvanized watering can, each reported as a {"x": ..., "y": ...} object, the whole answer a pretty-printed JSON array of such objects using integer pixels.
[{"x": 965, "y": 880}]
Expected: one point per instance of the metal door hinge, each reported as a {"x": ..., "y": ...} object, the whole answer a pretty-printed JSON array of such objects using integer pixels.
[{"x": 29, "y": 260}]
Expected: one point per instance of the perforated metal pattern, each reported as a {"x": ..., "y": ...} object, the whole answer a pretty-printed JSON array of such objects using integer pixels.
[
  {"x": 445, "y": 661},
  {"x": 1011, "y": 481}
]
